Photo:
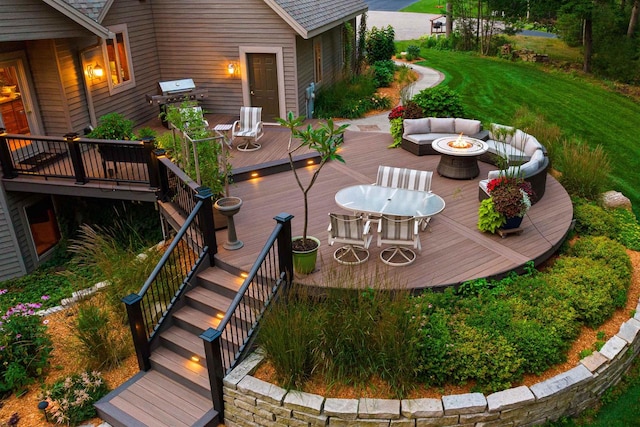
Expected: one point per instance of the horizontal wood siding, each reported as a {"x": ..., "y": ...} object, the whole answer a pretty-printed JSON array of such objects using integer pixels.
[
  {"x": 72, "y": 78},
  {"x": 140, "y": 27},
  {"x": 304, "y": 63},
  {"x": 11, "y": 264},
  {"x": 34, "y": 20},
  {"x": 48, "y": 86},
  {"x": 332, "y": 55},
  {"x": 197, "y": 39}
]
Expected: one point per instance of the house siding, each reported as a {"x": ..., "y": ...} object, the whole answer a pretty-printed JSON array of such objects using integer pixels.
[
  {"x": 16, "y": 203},
  {"x": 204, "y": 43},
  {"x": 11, "y": 263},
  {"x": 34, "y": 20}
]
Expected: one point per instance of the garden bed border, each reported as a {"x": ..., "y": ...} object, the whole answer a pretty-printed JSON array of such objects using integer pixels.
[{"x": 252, "y": 402}]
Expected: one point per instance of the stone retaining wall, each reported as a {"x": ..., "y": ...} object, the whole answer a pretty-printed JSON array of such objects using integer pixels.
[{"x": 252, "y": 402}]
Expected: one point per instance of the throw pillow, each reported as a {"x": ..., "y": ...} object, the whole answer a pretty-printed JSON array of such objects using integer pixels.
[{"x": 416, "y": 126}]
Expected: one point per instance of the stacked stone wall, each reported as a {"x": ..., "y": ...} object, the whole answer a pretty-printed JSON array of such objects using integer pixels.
[{"x": 253, "y": 402}]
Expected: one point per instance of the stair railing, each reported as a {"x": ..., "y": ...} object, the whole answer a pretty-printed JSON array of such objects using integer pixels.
[
  {"x": 231, "y": 341},
  {"x": 149, "y": 308}
]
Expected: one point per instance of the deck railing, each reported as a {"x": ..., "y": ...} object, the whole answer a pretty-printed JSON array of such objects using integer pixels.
[
  {"x": 81, "y": 159},
  {"x": 271, "y": 273},
  {"x": 193, "y": 243}
]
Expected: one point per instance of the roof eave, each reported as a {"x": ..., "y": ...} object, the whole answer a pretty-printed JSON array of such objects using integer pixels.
[
  {"x": 295, "y": 25},
  {"x": 322, "y": 29},
  {"x": 79, "y": 18}
]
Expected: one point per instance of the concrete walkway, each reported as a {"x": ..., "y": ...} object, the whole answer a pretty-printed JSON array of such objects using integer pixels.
[{"x": 380, "y": 122}]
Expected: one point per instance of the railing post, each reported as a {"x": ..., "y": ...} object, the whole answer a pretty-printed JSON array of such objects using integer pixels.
[
  {"x": 205, "y": 221},
  {"x": 138, "y": 330},
  {"x": 152, "y": 162},
  {"x": 285, "y": 252},
  {"x": 164, "y": 192},
  {"x": 215, "y": 368},
  {"x": 76, "y": 157},
  {"x": 8, "y": 171}
]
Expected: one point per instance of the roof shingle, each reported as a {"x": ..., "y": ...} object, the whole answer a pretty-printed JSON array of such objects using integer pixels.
[{"x": 314, "y": 14}]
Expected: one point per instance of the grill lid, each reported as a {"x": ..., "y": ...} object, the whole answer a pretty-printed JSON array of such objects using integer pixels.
[{"x": 176, "y": 86}]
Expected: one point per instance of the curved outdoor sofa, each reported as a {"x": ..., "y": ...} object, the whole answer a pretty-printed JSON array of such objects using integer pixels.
[{"x": 523, "y": 153}]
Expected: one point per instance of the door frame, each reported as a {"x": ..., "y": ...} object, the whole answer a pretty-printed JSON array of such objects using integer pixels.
[
  {"x": 27, "y": 92},
  {"x": 277, "y": 50}
]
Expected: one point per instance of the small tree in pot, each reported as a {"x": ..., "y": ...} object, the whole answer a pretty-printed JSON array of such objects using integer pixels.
[{"x": 325, "y": 139}]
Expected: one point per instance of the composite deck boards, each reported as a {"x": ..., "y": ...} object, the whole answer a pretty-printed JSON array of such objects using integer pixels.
[{"x": 453, "y": 249}]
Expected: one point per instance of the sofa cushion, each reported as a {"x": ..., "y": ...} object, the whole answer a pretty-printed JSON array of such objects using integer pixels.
[
  {"x": 423, "y": 138},
  {"x": 442, "y": 124},
  {"x": 416, "y": 126},
  {"x": 467, "y": 126},
  {"x": 531, "y": 146}
]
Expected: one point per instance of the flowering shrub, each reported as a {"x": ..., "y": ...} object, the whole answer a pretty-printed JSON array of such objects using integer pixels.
[
  {"x": 71, "y": 399},
  {"x": 397, "y": 113},
  {"x": 396, "y": 130},
  {"x": 25, "y": 346}
]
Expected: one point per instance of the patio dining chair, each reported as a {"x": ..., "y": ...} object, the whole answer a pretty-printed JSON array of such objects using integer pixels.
[
  {"x": 354, "y": 232},
  {"x": 420, "y": 181},
  {"x": 390, "y": 176},
  {"x": 249, "y": 128},
  {"x": 398, "y": 231}
]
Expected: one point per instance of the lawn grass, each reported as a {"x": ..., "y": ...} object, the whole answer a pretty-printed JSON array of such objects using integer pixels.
[
  {"x": 493, "y": 89},
  {"x": 427, "y": 6},
  {"x": 554, "y": 47}
]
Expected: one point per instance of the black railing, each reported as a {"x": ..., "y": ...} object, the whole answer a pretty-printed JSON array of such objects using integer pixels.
[
  {"x": 149, "y": 308},
  {"x": 271, "y": 273},
  {"x": 81, "y": 159}
]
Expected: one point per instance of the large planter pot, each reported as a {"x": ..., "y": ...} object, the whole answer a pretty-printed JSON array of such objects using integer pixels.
[
  {"x": 513, "y": 222},
  {"x": 304, "y": 262}
]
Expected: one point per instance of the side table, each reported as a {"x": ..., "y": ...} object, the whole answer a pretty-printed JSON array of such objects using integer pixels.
[{"x": 223, "y": 130}]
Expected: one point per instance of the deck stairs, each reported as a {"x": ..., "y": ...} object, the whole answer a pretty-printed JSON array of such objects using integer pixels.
[{"x": 175, "y": 391}]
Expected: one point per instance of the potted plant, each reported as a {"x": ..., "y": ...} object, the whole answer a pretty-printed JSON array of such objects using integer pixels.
[
  {"x": 508, "y": 202},
  {"x": 325, "y": 139}
]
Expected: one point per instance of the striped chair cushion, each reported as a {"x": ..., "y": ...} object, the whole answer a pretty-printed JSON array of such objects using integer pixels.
[
  {"x": 346, "y": 226},
  {"x": 395, "y": 227},
  {"x": 389, "y": 176},
  {"x": 417, "y": 180},
  {"x": 249, "y": 118}
]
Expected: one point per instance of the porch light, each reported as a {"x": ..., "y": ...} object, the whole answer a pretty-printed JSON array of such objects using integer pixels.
[
  {"x": 95, "y": 71},
  {"x": 232, "y": 69}
]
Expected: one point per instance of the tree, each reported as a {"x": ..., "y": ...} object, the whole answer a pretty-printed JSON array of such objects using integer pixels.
[{"x": 633, "y": 20}]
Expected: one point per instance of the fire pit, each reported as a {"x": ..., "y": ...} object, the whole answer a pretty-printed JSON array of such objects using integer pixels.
[{"x": 459, "y": 156}]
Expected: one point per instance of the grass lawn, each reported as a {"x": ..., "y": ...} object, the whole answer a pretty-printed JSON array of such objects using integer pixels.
[
  {"x": 427, "y": 6},
  {"x": 555, "y": 48},
  {"x": 492, "y": 89}
]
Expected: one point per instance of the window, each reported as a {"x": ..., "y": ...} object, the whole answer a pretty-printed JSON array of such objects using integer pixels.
[
  {"x": 118, "y": 54},
  {"x": 317, "y": 59},
  {"x": 43, "y": 225}
]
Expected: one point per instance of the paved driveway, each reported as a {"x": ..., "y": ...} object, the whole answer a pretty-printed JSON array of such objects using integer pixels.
[{"x": 388, "y": 5}]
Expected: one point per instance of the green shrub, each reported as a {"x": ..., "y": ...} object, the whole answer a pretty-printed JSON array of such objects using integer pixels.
[
  {"x": 346, "y": 98},
  {"x": 25, "y": 347},
  {"x": 585, "y": 171},
  {"x": 413, "y": 50},
  {"x": 628, "y": 228},
  {"x": 439, "y": 101},
  {"x": 488, "y": 359},
  {"x": 379, "y": 44},
  {"x": 612, "y": 253},
  {"x": 548, "y": 134},
  {"x": 594, "y": 220},
  {"x": 383, "y": 72},
  {"x": 104, "y": 341},
  {"x": 590, "y": 285},
  {"x": 435, "y": 346},
  {"x": 113, "y": 126},
  {"x": 71, "y": 399},
  {"x": 147, "y": 132}
]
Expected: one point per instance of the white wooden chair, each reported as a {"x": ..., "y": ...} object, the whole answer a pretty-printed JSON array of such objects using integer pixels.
[
  {"x": 398, "y": 231},
  {"x": 354, "y": 232},
  {"x": 249, "y": 128},
  {"x": 420, "y": 181}
]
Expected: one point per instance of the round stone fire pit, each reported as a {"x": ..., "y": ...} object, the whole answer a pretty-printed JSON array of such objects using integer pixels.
[{"x": 459, "y": 156}]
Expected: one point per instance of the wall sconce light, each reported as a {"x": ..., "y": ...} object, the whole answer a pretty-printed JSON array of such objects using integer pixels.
[
  {"x": 95, "y": 71},
  {"x": 233, "y": 70}
]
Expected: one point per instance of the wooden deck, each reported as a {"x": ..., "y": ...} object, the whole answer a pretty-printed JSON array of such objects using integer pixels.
[{"x": 453, "y": 250}]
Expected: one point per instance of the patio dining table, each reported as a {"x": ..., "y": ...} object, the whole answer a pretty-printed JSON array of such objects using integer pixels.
[{"x": 375, "y": 199}]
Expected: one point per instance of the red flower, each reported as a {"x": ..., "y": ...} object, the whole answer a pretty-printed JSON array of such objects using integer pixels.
[{"x": 397, "y": 113}]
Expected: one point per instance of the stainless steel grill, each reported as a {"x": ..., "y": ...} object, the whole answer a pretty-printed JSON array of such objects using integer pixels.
[{"x": 175, "y": 92}]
